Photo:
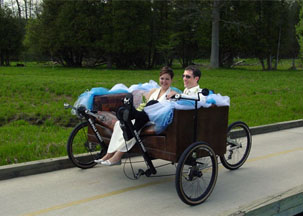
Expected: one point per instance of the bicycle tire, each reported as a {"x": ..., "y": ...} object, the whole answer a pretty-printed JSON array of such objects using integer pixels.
[
  {"x": 196, "y": 173},
  {"x": 238, "y": 145},
  {"x": 82, "y": 152}
]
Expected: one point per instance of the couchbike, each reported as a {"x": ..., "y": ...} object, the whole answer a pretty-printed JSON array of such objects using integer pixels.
[{"x": 194, "y": 141}]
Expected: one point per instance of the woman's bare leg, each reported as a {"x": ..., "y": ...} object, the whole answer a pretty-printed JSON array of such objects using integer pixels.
[
  {"x": 116, "y": 157},
  {"x": 108, "y": 156}
]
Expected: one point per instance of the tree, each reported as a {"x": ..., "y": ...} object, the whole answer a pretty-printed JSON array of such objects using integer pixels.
[
  {"x": 162, "y": 25},
  {"x": 183, "y": 38},
  {"x": 127, "y": 30},
  {"x": 143, "y": 34},
  {"x": 290, "y": 46},
  {"x": 19, "y": 9},
  {"x": 262, "y": 29},
  {"x": 299, "y": 31},
  {"x": 69, "y": 31},
  {"x": 273, "y": 25},
  {"x": 11, "y": 36}
]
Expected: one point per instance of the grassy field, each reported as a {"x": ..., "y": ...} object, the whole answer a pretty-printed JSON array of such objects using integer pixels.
[{"x": 34, "y": 125}]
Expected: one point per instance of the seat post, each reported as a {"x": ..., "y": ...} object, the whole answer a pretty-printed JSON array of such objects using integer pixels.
[{"x": 195, "y": 121}]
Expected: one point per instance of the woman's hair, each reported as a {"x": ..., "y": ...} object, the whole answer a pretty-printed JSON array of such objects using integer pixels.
[{"x": 167, "y": 70}]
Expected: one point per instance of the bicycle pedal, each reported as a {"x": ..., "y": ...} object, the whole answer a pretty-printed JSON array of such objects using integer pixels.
[{"x": 140, "y": 173}]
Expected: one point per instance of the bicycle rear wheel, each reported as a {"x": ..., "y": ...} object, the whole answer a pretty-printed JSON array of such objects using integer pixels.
[
  {"x": 82, "y": 151},
  {"x": 238, "y": 145}
]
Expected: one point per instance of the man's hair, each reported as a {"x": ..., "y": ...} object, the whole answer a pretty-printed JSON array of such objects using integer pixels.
[
  {"x": 167, "y": 70},
  {"x": 195, "y": 70}
]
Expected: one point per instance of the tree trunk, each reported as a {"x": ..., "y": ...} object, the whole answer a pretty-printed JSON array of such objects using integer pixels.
[
  {"x": 6, "y": 56},
  {"x": 109, "y": 62},
  {"x": 151, "y": 47},
  {"x": 19, "y": 8},
  {"x": 269, "y": 62},
  {"x": 1, "y": 59},
  {"x": 170, "y": 62},
  {"x": 293, "y": 66},
  {"x": 25, "y": 9},
  {"x": 79, "y": 58},
  {"x": 278, "y": 50},
  {"x": 262, "y": 63},
  {"x": 214, "y": 57},
  {"x": 30, "y": 7},
  {"x": 154, "y": 59}
]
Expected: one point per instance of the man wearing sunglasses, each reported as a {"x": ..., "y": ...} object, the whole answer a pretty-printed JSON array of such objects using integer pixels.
[{"x": 191, "y": 77}]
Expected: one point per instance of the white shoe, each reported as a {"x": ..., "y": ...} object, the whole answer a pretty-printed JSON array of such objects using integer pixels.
[
  {"x": 108, "y": 163},
  {"x": 99, "y": 161}
]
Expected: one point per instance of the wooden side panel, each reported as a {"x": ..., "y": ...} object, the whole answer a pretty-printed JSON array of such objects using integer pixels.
[{"x": 211, "y": 128}]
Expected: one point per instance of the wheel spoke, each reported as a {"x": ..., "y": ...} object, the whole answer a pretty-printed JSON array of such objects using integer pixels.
[
  {"x": 81, "y": 150},
  {"x": 238, "y": 146}
]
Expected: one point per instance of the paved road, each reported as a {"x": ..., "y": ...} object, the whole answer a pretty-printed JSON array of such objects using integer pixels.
[{"x": 274, "y": 166}]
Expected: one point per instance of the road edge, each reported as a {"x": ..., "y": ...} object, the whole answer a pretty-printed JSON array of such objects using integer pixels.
[{"x": 288, "y": 202}]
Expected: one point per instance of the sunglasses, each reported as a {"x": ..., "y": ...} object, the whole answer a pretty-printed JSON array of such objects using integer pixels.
[{"x": 186, "y": 76}]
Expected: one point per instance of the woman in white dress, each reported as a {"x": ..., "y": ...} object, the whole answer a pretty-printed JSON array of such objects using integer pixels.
[{"x": 118, "y": 146}]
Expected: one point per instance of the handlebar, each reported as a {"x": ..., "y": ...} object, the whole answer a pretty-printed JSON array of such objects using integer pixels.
[
  {"x": 185, "y": 97},
  {"x": 204, "y": 92},
  {"x": 81, "y": 112},
  {"x": 67, "y": 106}
]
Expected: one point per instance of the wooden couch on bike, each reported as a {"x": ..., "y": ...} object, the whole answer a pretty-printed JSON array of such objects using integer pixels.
[{"x": 169, "y": 145}]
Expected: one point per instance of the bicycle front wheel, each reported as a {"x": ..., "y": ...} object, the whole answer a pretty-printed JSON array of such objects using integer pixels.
[
  {"x": 196, "y": 173},
  {"x": 81, "y": 150}
]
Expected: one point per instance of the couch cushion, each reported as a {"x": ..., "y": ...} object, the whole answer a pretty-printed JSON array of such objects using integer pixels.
[
  {"x": 107, "y": 119},
  {"x": 149, "y": 130}
]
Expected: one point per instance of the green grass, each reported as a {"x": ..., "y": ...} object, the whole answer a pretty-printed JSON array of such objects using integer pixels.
[
  {"x": 21, "y": 141},
  {"x": 34, "y": 125}
]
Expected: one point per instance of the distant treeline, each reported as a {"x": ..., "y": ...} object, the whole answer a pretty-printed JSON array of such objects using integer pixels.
[{"x": 145, "y": 34}]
